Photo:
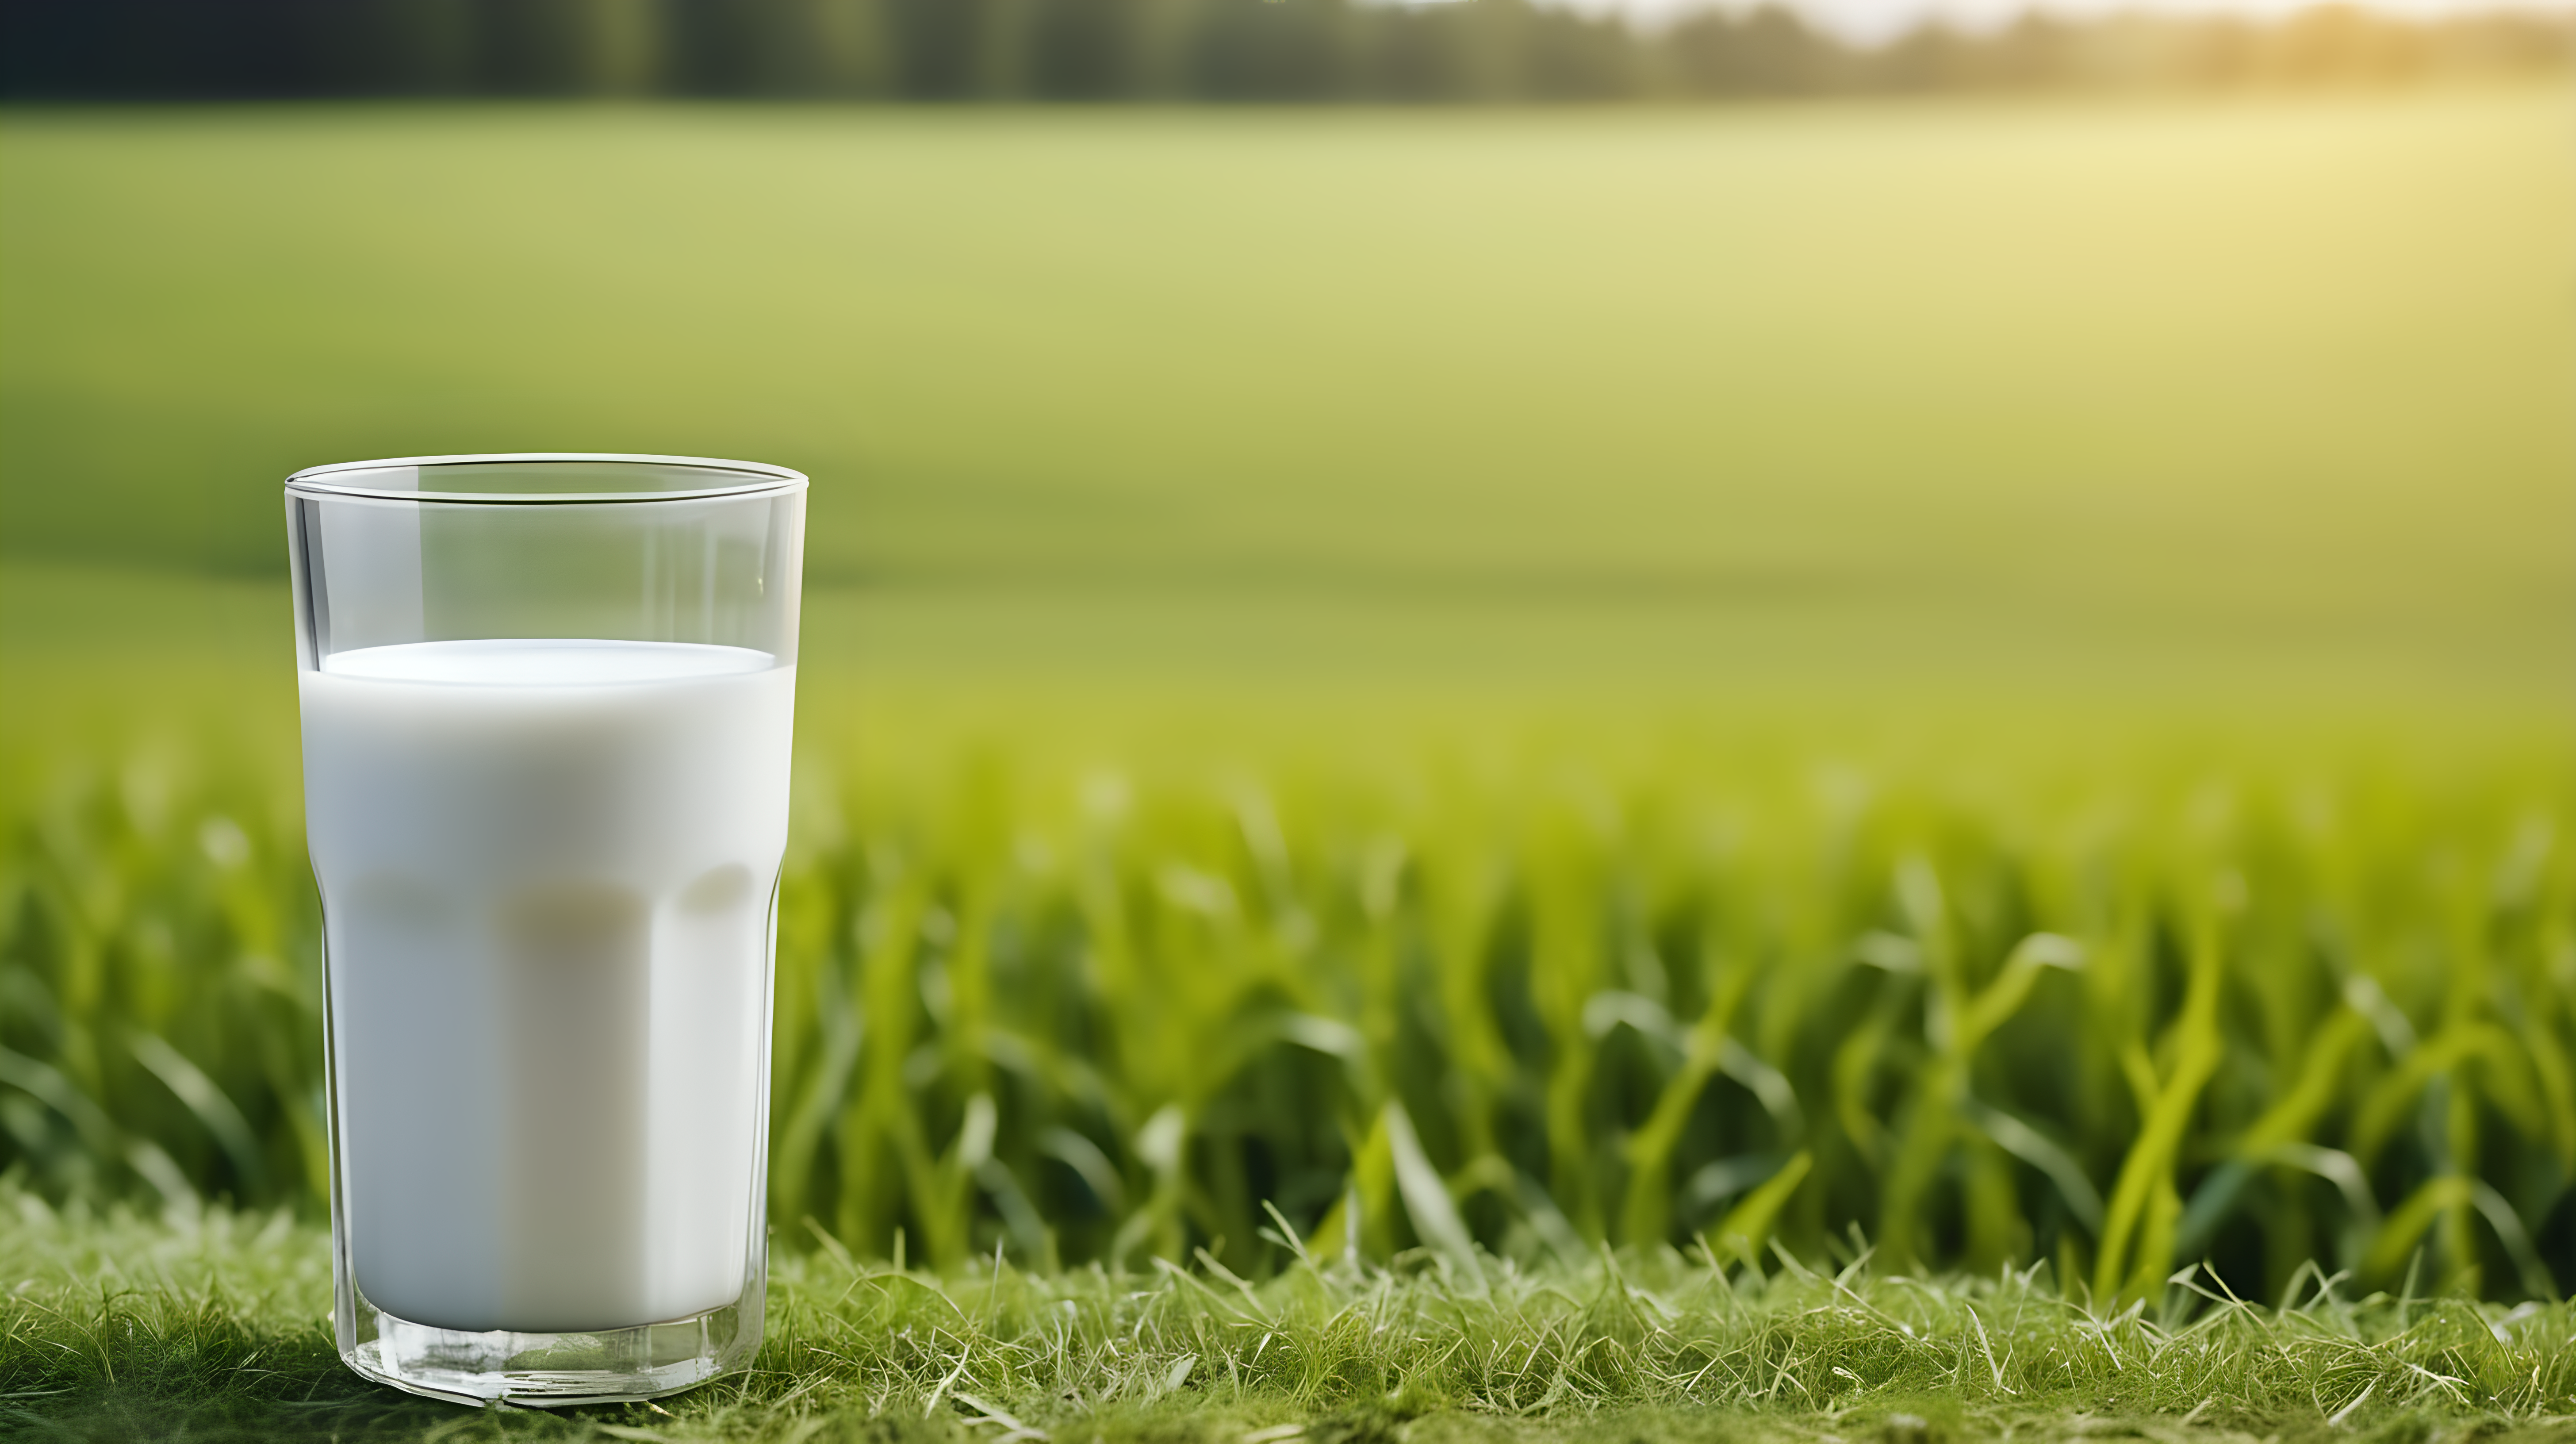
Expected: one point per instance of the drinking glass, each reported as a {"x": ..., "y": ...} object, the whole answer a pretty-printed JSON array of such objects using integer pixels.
[{"x": 546, "y": 706}]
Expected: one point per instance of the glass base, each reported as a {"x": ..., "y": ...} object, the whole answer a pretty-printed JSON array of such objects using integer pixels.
[{"x": 552, "y": 1370}]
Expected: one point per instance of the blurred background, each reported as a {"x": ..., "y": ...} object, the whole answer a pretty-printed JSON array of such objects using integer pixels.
[
  {"x": 1488, "y": 50},
  {"x": 1633, "y": 448},
  {"x": 2190, "y": 353}
]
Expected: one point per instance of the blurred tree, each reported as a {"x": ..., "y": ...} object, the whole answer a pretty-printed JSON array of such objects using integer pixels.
[
  {"x": 1084, "y": 50},
  {"x": 2505, "y": 42},
  {"x": 850, "y": 54},
  {"x": 571, "y": 47},
  {"x": 1767, "y": 52},
  {"x": 2037, "y": 51},
  {"x": 1278, "y": 50},
  {"x": 934, "y": 46},
  {"x": 1002, "y": 42},
  {"x": 1570, "y": 56},
  {"x": 1275, "y": 49},
  {"x": 779, "y": 47},
  {"x": 395, "y": 47},
  {"x": 154, "y": 48},
  {"x": 1158, "y": 47},
  {"x": 2339, "y": 43},
  {"x": 1929, "y": 57}
]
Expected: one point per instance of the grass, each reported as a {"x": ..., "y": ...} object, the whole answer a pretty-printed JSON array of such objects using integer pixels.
[
  {"x": 2120, "y": 1006},
  {"x": 2164, "y": 395},
  {"x": 211, "y": 1328}
]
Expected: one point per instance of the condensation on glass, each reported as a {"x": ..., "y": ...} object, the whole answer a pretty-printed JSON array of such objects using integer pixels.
[{"x": 547, "y": 703}]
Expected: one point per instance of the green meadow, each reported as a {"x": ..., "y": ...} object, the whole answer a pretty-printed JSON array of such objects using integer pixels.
[
  {"x": 1802, "y": 765},
  {"x": 1874, "y": 391}
]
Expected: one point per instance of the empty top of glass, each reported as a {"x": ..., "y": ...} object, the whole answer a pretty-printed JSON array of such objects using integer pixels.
[{"x": 543, "y": 476}]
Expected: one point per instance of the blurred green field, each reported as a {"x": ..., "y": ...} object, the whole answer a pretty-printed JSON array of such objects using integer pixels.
[
  {"x": 2171, "y": 397},
  {"x": 1578, "y": 660}
]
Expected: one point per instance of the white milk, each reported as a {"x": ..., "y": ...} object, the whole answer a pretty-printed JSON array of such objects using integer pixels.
[{"x": 546, "y": 871}]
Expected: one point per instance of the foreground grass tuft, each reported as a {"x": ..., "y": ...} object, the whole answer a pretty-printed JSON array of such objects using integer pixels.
[{"x": 212, "y": 1327}]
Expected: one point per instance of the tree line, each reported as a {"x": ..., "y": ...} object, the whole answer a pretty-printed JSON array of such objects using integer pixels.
[{"x": 1108, "y": 50}]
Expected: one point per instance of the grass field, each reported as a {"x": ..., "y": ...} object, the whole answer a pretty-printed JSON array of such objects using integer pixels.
[
  {"x": 124, "y": 1330},
  {"x": 1981, "y": 682},
  {"x": 2083, "y": 391}
]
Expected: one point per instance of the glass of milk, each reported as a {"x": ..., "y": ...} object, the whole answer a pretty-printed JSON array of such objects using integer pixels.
[{"x": 546, "y": 703}]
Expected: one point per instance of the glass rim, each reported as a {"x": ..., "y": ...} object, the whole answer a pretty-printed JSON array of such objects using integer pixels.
[{"x": 757, "y": 477}]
